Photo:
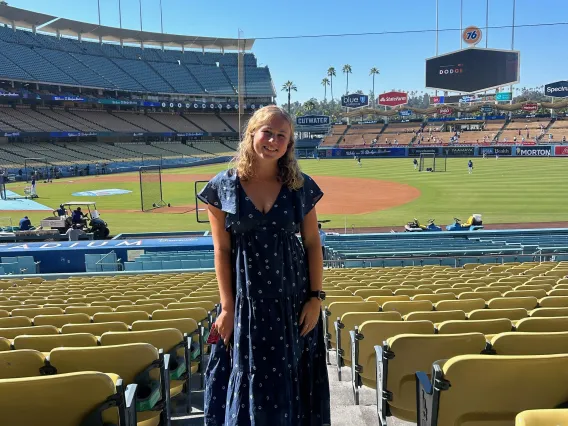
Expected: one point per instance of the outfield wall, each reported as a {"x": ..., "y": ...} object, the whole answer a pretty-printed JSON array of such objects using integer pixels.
[{"x": 450, "y": 151}]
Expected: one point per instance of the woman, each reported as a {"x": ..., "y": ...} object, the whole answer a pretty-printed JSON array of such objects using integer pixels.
[{"x": 268, "y": 367}]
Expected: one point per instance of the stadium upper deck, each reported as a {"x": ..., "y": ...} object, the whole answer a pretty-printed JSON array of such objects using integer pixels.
[{"x": 110, "y": 64}]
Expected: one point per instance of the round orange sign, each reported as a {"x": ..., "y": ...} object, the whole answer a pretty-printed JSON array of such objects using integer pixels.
[{"x": 472, "y": 35}]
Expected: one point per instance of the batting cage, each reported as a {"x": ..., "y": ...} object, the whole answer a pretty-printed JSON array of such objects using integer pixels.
[
  {"x": 430, "y": 162},
  {"x": 149, "y": 159},
  {"x": 200, "y": 206},
  {"x": 151, "y": 195}
]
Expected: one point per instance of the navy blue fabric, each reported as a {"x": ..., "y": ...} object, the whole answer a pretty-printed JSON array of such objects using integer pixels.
[{"x": 271, "y": 375}]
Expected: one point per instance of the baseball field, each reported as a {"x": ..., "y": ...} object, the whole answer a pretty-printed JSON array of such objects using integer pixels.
[{"x": 381, "y": 193}]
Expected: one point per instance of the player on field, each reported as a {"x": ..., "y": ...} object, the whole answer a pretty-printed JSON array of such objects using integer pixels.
[{"x": 470, "y": 166}]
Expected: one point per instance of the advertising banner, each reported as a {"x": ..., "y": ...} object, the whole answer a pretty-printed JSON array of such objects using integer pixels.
[
  {"x": 503, "y": 96},
  {"x": 445, "y": 110},
  {"x": 416, "y": 151},
  {"x": 533, "y": 151},
  {"x": 496, "y": 150},
  {"x": 558, "y": 89},
  {"x": 393, "y": 99},
  {"x": 530, "y": 107},
  {"x": 486, "y": 109},
  {"x": 459, "y": 151},
  {"x": 405, "y": 113},
  {"x": 368, "y": 152},
  {"x": 472, "y": 70},
  {"x": 354, "y": 101},
  {"x": 561, "y": 150},
  {"x": 9, "y": 95},
  {"x": 313, "y": 120}
]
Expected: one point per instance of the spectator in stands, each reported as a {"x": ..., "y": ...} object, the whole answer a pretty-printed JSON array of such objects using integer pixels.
[
  {"x": 78, "y": 217},
  {"x": 25, "y": 224},
  {"x": 60, "y": 211},
  {"x": 550, "y": 137},
  {"x": 322, "y": 235},
  {"x": 564, "y": 139},
  {"x": 74, "y": 232}
]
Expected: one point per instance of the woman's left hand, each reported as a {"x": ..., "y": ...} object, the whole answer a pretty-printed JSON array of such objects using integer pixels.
[{"x": 310, "y": 315}]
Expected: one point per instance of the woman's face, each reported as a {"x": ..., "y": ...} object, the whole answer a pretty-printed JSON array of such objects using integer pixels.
[{"x": 271, "y": 140}]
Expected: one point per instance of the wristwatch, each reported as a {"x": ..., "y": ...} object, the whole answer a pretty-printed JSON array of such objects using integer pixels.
[{"x": 318, "y": 294}]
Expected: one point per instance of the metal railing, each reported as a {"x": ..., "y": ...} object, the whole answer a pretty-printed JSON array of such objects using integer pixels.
[{"x": 118, "y": 264}]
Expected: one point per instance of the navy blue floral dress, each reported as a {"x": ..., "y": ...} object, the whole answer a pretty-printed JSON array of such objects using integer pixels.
[{"x": 272, "y": 375}]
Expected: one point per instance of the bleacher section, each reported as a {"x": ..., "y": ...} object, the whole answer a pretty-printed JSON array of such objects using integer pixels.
[
  {"x": 336, "y": 132},
  {"x": 559, "y": 131},
  {"x": 517, "y": 130},
  {"x": 361, "y": 135},
  {"x": 399, "y": 133},
  {"x": 41, "y": 58}
]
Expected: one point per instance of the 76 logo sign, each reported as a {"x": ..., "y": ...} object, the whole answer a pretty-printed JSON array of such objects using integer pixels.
[{"x": 472, "y": 35}]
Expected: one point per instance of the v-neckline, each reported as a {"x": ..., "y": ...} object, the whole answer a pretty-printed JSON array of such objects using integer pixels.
[{"x": 252, "y": 202}]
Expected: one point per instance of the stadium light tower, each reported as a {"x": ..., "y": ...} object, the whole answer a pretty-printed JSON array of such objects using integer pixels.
[
  {"x": 161, "y": 17},
  {"x": 120, "y": 14},
  {"x": 140, "y": 5}
]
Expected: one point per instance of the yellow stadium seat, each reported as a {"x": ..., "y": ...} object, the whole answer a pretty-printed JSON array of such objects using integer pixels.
[
  {"x": 512, "y": 314},
  {"x": 412, "y": 291},
  {"x": 525, "y": 302},
  {"x": 406, "y": 307},
  {"x": 207, "y": 305},
  {"x": 11, "y": 333},
  {"x": 435, "y": 316},
  {"x": 491, "y": 326},
  {"x": 466, "y": 305},
  {"x": 20, "y": 363},
  {"x": 514, "y": 343},
  {"x": 554, "y": 302},
  {"x": 363, "y": 340},
  {"x": 543, "y": 324},
  {"x": 125, "y": 317},
  {"x": 126, "y": 361},
  {"x": 198, "y": 314},
  {"x": 485, "y": 295},
  {"x": 60, "y": 320},
  {"x": 12, "y": 322},
  {"x": 149, "y": 308},
  {"x": 538, "y": 293},
  {"x": 434, "y": 298},
  {"x": 5, "y": 344},
  {"x": 551, "y": 417},
  {"x": 51, "y": 341},
  {"x": 364, "y": 293},
  {"x": 490, "y": 389},
  {"x": 96, "y": 329},
  {"x": 113, "y": 304},
  {"x": 549, "y": 312},
  {"x": 400, "y": 357},
  {"x": 33, "y": 312}
]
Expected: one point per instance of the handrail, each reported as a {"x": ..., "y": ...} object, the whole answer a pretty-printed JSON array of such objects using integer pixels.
[{"x": 119, "y": 265}]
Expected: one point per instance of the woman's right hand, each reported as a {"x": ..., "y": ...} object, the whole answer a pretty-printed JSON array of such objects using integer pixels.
[{"x": 225, "y": 324}]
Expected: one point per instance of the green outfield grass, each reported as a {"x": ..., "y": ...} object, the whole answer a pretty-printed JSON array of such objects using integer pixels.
[{"x": 504, "y": 190}]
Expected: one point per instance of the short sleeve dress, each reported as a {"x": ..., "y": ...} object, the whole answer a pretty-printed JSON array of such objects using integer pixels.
[{"x": 271, "y": 375}]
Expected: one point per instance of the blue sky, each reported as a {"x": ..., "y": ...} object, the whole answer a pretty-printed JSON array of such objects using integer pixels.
[{"x": 399, "y": 57}]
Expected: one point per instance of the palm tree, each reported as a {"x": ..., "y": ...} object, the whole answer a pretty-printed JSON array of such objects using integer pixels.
[
  {"x": 325, "y": 83},
  {"x": 374, "y": 71},
  {"x": 347, "y": 70},
  {"x": 288, "y": 87},
  {"x": 331, "y": 74},
  {"x": 309, "y": 105}
]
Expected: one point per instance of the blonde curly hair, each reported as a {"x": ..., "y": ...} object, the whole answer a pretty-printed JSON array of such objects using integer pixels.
[{"x": 289, "y": 172}]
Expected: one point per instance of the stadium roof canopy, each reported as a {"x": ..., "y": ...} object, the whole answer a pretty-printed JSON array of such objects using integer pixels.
[{"x": 52, "y": 24}]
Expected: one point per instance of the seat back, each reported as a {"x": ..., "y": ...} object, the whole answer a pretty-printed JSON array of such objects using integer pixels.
[
  {"x": 549, "y": 312},
  {"x": 198, "y": 314},
  {"x": 165, "y": 339},
  {"x": 127, "y": 361},
  {"x": 554, "y": 302},
  {"x": 51, "y": 341},
  {"x": 434, "y": 298},
  {"x": 415, "y": 352},
  {"x": 184, "y": 325},
  {"x": 435, "y": 316},
  {"x": 60, "y": 320},
  {"x": 549, "y": 324},
  {"x": 15, "y": 321},
  {"x": 541, "y": 417},
  {"x": 528, "y": 303},
  {"x": 492, "y": 326},
  {"x": 466, "y": 305},
  {"x": 513, "y": 343},
  {"x": 125, "y": 317},
  {"x": 89, "y": 310},
  {"x": 20, "y": 363},
  {"x": 406, "y": 307},
  {"x": 59, "y": 400},
  {"x": 96, "y": 329},
  {"x": 376, "y": 332},
  {"x": 337, "y": 309},
  {"x": 493, "y": 389},
  {"x": 513, "y": 314},
  {"x": 33, "y": 312},
  {"x": 11, "y": 333}
]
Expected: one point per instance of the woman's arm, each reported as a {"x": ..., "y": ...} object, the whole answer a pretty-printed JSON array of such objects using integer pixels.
[
  {"x": 312, "y": 244},
  {"x": 223, "y": 269}
]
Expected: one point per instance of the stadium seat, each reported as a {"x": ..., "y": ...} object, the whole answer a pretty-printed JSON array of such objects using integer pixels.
[
  {"x": 96, "y": 329},
  {"x": 363, "y": 340},
  {"x": 20, "y": 363},
  {"x": 48, "y": 342},
  {"x": 67, "y": 400},
  {"x": 542, "y": 324},
  {"x": 348, "y": 322},
  {"x": 435, "y": 316},
  {"x": 5, "y": 344},
  {"x": 125, "y": 317},
  {"x": 434, "y": 298},
  {"x": 491, "y": 326},
  {"x": 549, "y": 312},
  {"x": 173, "y": 342},
  {"x": 554, "y": 302},
  {"x": 138, "y": 363},
  {"x": 514, "y": 343},
  {"x": 406, "y": 307},
  {"x": 15, "y": 321},
  {"x": 60, "y": 320},
  {"x": 466, "y": 305},
  {"x": 526, "y": 302},
  {"x": 149, "y": 308},
  {"x": 485, "y": 295},
  {"x": 89, "y": 310},
  {"x": 512, "y": 314},
  {"x": 33, "y": 312},
  {"x": 556, "y": 417},
  {"x": 197, "y": 314},
  {"x": 490, "y": 389},
  {"x": 398, "y": 360},
  {"x": 12, "y": 333}
]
